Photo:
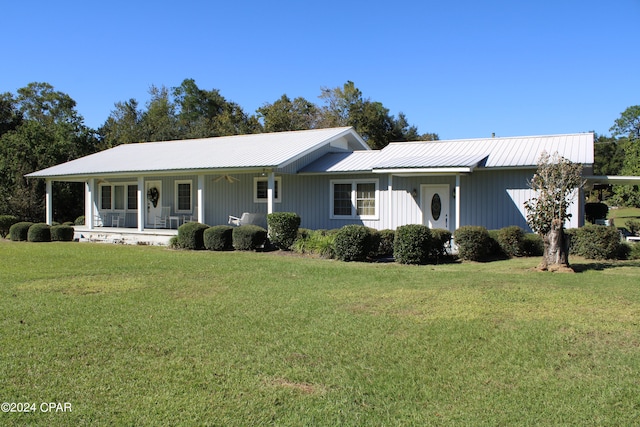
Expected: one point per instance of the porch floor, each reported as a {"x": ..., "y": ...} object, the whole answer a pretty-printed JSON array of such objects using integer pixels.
[{"x": 131, "y": 236}]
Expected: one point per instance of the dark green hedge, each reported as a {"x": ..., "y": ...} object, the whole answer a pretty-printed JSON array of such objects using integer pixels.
[
  {"x": 6, "y": 221},
  {"x": 19, "y": 231},
  {"x": 79, "y": 220},
  {"x": 283, "y": 229},
  {"x": 219, "y": 238},
  {"x": 353, "y": 243},
  {"x": 62, "y": 233},
  {"x": 249, "y": 237},
  {"x": 191, "y": 235},
  {"x": 440, "y": 242},
  {"x": 596, "y": 242},
  {"x": 412, "y": 244},
  {"x": 510, "y": 240},
  {"x": 474, "y": 243},
  {"x": 39, "y": 232}
]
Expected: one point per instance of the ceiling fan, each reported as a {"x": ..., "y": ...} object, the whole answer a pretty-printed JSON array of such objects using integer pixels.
[{"x": 227, "y": 178}]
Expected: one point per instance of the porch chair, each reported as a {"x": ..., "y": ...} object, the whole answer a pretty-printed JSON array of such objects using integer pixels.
[
  {"x": 117, "y": 220},
  {"x": 162, "y": 220},
  {"x": 259, "y": 219},
  {"x": 100, "y": 219}
]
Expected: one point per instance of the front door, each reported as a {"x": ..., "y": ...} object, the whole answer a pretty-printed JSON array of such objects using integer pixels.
[
  {"x": 435, "y": 206},
  {"x": 153, "y": 194}
]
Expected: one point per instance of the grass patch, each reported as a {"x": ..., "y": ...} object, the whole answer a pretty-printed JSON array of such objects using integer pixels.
[
  {"x": 148, "y": 336},
  {"x": 620, "y": 216}
]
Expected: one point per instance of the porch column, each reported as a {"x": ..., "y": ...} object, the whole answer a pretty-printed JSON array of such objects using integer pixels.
[
  {"x": 457, "y": 201},
  {"x": 271, "y": 182},
  {"x": 48, "y": 202},
  {"x": 89, "y": 205},
  {"x": 200, "y": 200},
  {"x": 390, "y": 202},
  {"x": 141, "y": 204}
]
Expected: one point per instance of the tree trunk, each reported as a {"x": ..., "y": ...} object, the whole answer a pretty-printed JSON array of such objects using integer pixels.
[{"x": 556, "y": 249}]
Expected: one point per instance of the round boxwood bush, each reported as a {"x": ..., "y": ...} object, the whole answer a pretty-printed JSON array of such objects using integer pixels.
[
  {"x": 39, "y": 232},
  {"x": 62, "y": 233},
  {"x": 191, "y": 235},
  {"x": 19, "y": 231},
  {"x": 79, "y": 220},
  {"x": 510, "y": 240},
  {"x": 283, "y": 229},
  {"x": 596, "y": 242},
  {"x": 474, "y": 242},
  {"x": 412, "y": 244},
  {"x": 353, "y": 243},
  {"x": 249, "y": 237},
  {"x": 219, "y": 238},
  {"x": 6, "y": 221}
]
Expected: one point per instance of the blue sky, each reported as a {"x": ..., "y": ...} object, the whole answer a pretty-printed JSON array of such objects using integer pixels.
[{"x": 462, "y": 69}]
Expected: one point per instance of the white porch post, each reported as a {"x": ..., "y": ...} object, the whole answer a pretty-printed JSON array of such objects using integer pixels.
[
  {"x": 89, "y": 205},
  {"x": 48, "y": 202},
  {"x": 200, "y": 199},
  {"x": 390, "y": 222},
  {"x": 457, "y": 201},
  {"x": 270, "y": 191},
  {"x": 141, "y": 203}
]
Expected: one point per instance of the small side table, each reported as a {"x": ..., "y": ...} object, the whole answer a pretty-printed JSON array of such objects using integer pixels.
[{"x": 176, "y": 219}]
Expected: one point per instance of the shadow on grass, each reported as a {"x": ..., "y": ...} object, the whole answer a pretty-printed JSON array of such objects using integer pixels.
[{"x": 581, "y": 267}]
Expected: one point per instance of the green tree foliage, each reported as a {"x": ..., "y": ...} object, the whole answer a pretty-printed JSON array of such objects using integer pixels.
[
  {"x": 627, "y": 127},
  {"x": 40, "y": 128},
  {"x": 346, "y": 106},
  {"x": 285, "y": 115}
]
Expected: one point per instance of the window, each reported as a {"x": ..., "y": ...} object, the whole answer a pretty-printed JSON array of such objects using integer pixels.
[
  {"x": 120, "y": 197},
  {"x": 354, "y": 199},
  {"x": 132, "y": 197},
  {"x": 183, "y": 196},
  {"x": 105, "y": 197},
  {"x": 260, "y": 189}
]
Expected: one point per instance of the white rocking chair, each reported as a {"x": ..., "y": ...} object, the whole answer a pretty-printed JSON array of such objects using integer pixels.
[{"x": 162, "y": 220}]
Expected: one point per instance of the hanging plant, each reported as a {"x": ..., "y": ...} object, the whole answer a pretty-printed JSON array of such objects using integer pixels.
[{"x": 153, "y": 195}]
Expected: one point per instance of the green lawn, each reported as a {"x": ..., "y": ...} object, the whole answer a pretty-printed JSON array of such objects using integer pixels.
[
  {"x": 621, "y": 215},
  {"x": 132, "y": 335}
]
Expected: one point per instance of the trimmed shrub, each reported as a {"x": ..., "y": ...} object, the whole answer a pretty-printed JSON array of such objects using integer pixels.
[
  {"x": 412, "y": 244},
  {"x": 62, "y": 233},
  {"x": 596, "y": 242},
  {"x": 19, "y": 231},
  {"x": 249, "y": 237},
  {"x": 474, "y": 243},
  {"x": 440, "y": 240},
  {"x": 6, "y": 221},
  {"x": 385, "y": 247},
  {"x": 39, "y": 232},
  {"x": 191, "y": 235},
  {"x": 532, "y": 245},
  {"x": 634, "y": 250},
  {"x": 283, "y": 229},
  {"x": 353, "y": 243},
  {"x": 594, "y": 211},
  {"x": 510, "y": 240},
  {"x": 219, "y": 238},
  {"x": 79, "y": 220}
]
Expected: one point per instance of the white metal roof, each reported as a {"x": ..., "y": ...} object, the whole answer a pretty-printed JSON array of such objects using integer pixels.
[
  {"x": 513, "y": 152},
  {"x": 266, "y": 150}
]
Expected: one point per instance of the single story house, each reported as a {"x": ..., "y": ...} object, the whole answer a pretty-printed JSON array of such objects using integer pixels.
[{"x": 329, "y": 177}]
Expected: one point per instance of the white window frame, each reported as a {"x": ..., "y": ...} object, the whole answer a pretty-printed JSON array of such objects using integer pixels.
[
  {"x": 354, "y": 190},
  {"x": 277, "y": 183},
  {"x": 176, "y": 184},
  {"x": 125, "y": 202}
]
